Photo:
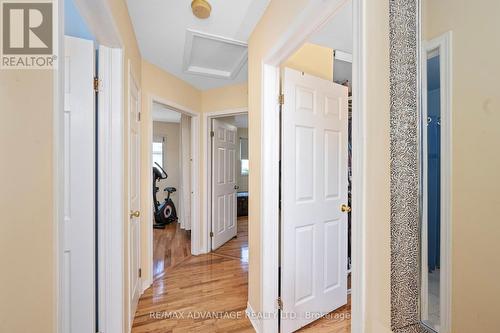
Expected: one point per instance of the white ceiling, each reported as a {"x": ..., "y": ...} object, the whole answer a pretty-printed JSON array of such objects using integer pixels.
[
  {"x": 161, "y": 28},
  {"x": 164, "y": 114},
  {"x": 337, "y": 34}
]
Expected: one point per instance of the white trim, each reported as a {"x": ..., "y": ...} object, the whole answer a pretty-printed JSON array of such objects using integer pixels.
[
  {"x": 100, "y": 20},
  {"x": 443, "y": 44},
  {"x": 314, "y": 16},
  {"x": 57, "y": 173},
  {"x": 343, "y": 56},
  {"x": 195, "y": 183},
  {"x": 110, "y": 191},
  {"x": 204, "y": 233},
  {"x": 132, "y": 305},
  {"x": 254, "y": 318}
]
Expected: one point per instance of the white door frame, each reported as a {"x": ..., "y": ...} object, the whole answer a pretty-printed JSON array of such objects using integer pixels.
[
  {"x": 110, "y": 162},
  {"x": 314, "y": 16},
  {"x": 195, "y": 171},
  {"x": 443, "y": 44},
  {"x": 206, "y": 222}
]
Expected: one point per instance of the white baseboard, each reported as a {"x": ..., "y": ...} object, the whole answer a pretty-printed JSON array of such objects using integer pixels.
[
  {"x": 254, "y": 318},
  {"x": 146, "y": 284}
]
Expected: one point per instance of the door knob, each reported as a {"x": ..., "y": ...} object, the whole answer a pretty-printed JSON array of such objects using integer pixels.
[
  {"x": 135, "y": 214},
  {"x": 346, "y": 209},
  {"x": 236, "y": 187}
]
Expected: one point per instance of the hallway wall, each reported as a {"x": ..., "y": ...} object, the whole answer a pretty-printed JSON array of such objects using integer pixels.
[
  {"x": 27, "y": 102},
  {"x": 476, "y": 161},
  {"x": 171, "y": 158}
]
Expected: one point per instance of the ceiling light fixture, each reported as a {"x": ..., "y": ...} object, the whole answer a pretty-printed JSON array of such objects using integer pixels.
[{"x": 201, "y": 8}]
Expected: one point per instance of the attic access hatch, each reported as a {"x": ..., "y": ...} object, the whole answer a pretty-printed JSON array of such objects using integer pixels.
[{"x": 213, "y": 56}]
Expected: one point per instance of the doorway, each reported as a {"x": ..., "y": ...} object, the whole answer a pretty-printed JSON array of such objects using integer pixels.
[
  {"x": 319, "y": 17},
  {"x": 171, "y": 162},
  {"x": 228, "y": 172}
]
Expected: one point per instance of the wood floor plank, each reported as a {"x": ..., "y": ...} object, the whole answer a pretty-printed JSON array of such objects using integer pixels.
[{"x": 208, "y": 293}]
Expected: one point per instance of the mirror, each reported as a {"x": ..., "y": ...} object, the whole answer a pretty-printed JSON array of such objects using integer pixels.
[{"x": 439, "y": 21}]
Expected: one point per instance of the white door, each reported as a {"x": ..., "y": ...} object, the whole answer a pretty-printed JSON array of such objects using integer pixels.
[
  {"x": 314, "y": 186},
  {"x": 78, "y": 261},
  {"x": 134, "y": 194},
  {"x": 224, "y": 182}
]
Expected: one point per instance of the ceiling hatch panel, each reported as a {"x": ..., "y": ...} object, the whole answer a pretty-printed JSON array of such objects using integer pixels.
[{"x": 213, "y": 56}]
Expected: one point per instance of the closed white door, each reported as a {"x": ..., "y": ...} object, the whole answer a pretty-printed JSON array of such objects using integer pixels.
[
  {"x": 134, "y": 194},
  {"x": 314, "y": 186},
  {"x": 224, "y": 182},
  {"x": 78, "y": 257}
]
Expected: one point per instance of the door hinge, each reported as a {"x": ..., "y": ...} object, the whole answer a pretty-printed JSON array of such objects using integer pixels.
[
  {"x": 140, "y": 272},
  {"x": 96, "y": 84},
  {"x": 212, "y": 134},
  {"x": 138, "y": 116},
  {"x": 281, "y": 99},
  {"x": 280, "y": 303},
  {"x": 211, "y": 234}
]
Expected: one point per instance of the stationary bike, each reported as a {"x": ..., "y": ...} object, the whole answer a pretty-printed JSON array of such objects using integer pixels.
[{"x": 164, "y": 213}]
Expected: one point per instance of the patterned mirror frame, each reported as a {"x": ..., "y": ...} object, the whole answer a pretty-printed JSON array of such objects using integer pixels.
[{"x": 405, "y": 171}]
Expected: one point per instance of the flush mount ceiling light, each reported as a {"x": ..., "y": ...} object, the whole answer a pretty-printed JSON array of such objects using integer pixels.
[{"x": 201, "y": 8}]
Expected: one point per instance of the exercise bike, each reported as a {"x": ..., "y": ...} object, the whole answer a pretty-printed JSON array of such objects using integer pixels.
[{"x": 164, "y": 213}]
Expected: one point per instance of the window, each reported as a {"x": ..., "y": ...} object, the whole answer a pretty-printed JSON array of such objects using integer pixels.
[
  {"x": 244, "y": 156},
  {"x": 158, "y": 152},
  {"x": 244, "y": 167}
]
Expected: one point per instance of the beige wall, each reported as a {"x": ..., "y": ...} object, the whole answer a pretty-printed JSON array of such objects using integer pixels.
[
  {"x": 476, "y": 161},
  {"x": 225, "y": 98},
  {"x": 27, "y": 288},
  {"x": 171, "y": 158},
  {"x": 279, "y": 15},
  {"x": 314, "y": 60},
  {"x": 28, "y": 291}
]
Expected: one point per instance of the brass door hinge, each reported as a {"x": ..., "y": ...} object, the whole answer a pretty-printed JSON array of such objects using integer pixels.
[
  {"x": 96, "y": 84},
  {"x": 138, "y": 116},
  {"x": 281, "y": 99},
  {"x": 140, "y": 272},
  {"x": 211, "y": 234},
  {"x": 280, "y": 303}
]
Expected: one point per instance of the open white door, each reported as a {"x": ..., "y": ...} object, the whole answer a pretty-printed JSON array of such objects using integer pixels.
[
  {"x": 134, "y": 194},
  {"x": 314, "y": 186},
  {"x": 78, "y": 258},
  {"x": 223, "y": 183}
]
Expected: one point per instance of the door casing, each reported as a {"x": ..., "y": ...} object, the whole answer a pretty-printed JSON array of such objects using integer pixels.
[
  {"x": 314, "y": 15},
  {"x": 99, "y": 19},
  {"x": 206, "y": 247}
]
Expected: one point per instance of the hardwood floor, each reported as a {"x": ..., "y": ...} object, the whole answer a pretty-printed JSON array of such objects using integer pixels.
[
  {"x": 237, "y": 247},
  {"x": 171, "y": 246},
  {"x": 208, "y": 293},
  {"x": 338, "y": 321}
]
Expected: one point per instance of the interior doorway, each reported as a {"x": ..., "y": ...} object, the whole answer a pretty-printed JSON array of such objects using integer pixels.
[
  {"x": 308, "y": 150},
  {"x": 172, "y": 173},
  {"x": 228, "y": 170}
]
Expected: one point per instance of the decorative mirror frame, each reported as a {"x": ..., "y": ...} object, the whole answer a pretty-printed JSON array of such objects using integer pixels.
[{"x": 405, "y": 171}]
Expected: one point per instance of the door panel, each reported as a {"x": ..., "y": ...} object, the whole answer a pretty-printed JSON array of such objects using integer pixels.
[
  {"x": 314, "y": 186},
  {"x": 224, "y": 175},
  {"x": 134, "y": 193},
  {"x": 78, "y": 271}
]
